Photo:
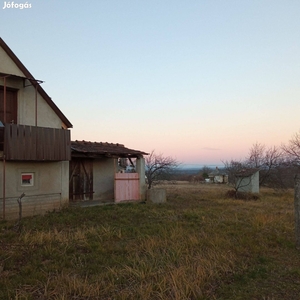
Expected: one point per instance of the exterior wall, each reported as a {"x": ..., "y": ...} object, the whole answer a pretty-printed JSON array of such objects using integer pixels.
[
  {"x": 49, "y": 191},
  {"x": 26, "y": 97},
  {"x": 140, "y": 168},
  {"x": 249, "y": 184},
  {"x": 7, "y": 65},
  {"x": 51, "y": 179},
  {"x": 46, "y": 117},
  {"x": 218, "y": 179},
  {"x": 103, "y": 172},
  {"x": 104, "y": 178}
]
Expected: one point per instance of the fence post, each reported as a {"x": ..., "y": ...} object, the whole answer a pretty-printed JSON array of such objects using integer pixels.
[{"x": 297, "y": 210}]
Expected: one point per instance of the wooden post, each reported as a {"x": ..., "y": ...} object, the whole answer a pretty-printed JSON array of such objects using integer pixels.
[{"x": 297, "y": 210}]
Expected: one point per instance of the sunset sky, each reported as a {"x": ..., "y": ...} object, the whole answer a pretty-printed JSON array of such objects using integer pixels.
[{"x": 198, "y": 80}]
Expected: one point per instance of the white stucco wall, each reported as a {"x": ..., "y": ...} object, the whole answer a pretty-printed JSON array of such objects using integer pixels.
[
  {"x": 249, "y": 184},
  {"x": 49, "y": 191}
]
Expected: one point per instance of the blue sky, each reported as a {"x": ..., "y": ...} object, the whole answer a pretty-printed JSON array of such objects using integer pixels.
[{"x": 197, "y": 80}]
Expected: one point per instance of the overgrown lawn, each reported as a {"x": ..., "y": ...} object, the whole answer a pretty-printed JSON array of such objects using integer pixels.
[{"x": 198, "y": 245}]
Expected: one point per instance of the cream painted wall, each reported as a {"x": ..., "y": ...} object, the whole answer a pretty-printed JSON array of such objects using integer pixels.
[
  {"x": 46, "y": 117},
  {"x": 104, "y": 175},
  {"x": 49, "y": 191},
  {"x": 104, "y": 172},
  {"x": 51, "y": 179},
  {"x": 140, "y": 168},
  {"x": 7, "y": 65}
]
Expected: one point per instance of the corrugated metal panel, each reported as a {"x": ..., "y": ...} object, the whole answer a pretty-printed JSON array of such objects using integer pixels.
[
  {"x": 127, "y": 187},
  {"x": 32, "y": 143}
]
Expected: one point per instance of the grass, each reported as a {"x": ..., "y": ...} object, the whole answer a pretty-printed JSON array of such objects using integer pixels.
[{"x": 198, "y": 245}]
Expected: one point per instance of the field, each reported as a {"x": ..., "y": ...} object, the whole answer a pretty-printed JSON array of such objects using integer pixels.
[{"x": 198, "y": 245}]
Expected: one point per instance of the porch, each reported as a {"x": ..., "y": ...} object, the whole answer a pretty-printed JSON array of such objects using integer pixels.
[{"x": 98, "y": 173}]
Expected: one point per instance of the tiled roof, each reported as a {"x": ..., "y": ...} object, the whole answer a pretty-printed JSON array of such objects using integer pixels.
[
  {"x": 246, "y": 172},
  {"x": 103, "y": 149}
]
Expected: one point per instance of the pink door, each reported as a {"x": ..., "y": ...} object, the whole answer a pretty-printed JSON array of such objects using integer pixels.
[{"x": 127, "y": 187}]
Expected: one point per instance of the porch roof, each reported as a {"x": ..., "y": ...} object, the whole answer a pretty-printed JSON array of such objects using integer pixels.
[{"x": 99, "y": 149}]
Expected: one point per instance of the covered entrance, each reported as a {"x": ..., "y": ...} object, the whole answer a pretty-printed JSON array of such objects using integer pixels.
[
  {"x": 81, "y": 179},
  {"x": 98, "y": 173}
]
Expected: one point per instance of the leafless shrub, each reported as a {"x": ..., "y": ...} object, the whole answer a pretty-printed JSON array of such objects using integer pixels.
[{"x": 159, "y": 167}]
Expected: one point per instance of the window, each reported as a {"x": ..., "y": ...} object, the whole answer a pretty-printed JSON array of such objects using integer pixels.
[{"x": 27, "y": 179}]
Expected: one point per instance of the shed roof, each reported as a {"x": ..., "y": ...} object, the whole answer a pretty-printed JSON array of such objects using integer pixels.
[
  {"x": 35, "y": 83},
  {"x": 99, "y": 149},
  {"x": 246, "y": 172}
]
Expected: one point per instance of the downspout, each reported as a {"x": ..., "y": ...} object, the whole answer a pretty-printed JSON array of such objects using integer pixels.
[
  {"x": 4, "y": 121},
  {"x": 36, "y": 104},
  {"x": 3, "y": 186},
  {"x": 4, "y": 100}
]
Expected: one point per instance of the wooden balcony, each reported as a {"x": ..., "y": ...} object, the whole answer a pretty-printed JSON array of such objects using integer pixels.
[{"x": 30, "y": 143}]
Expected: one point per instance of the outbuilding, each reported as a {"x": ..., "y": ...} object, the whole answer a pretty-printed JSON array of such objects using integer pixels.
[
  {"x": 247, "y": 180},
  {"x": 106, "y": 172},
  {"x": 218, "y": 176}
]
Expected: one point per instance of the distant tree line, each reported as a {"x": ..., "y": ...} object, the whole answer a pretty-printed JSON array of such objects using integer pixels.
[{"x": 277, "y": 165}]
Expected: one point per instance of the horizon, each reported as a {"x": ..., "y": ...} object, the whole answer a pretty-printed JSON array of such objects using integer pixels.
[{"x": 200, "y": 81}]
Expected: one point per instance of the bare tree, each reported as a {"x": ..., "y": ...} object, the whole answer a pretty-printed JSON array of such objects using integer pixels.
[
  {"x": 158, "y": 165},
  {"x": 266, "y": 160},
  {"x": 239, "y": 177},
  {"x": 233, "y": 167},
  {"x": 205, "y": 171},
  {"x": 256, "y": 155},
  {"x": 292, "y": 149}
]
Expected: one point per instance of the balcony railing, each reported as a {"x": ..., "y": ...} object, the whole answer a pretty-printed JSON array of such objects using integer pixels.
[{"x": 30, "y": 143}]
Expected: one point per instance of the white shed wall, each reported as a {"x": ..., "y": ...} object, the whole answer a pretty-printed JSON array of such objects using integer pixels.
[{"x": 249, "y": 184}]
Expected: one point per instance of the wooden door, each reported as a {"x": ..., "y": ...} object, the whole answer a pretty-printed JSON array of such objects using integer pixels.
[
  {"x": 11, "y": 106},
  {"x": 81, "y": 180},
  {"x": 127, "y": 187}
]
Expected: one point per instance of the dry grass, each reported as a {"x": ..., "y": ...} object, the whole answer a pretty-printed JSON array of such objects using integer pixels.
[{"x": 198, "y": 245}]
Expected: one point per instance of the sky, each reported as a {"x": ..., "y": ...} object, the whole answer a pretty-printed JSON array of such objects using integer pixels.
[{"x": 198, "y": 80}]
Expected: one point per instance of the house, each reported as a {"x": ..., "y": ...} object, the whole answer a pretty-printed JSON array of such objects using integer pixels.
[
  {"x": 99, "y": 172},
  {"x": 34, "y": 143},
  {"x": 247, "y": 180},
  {"x": 218, "y": 176}
]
